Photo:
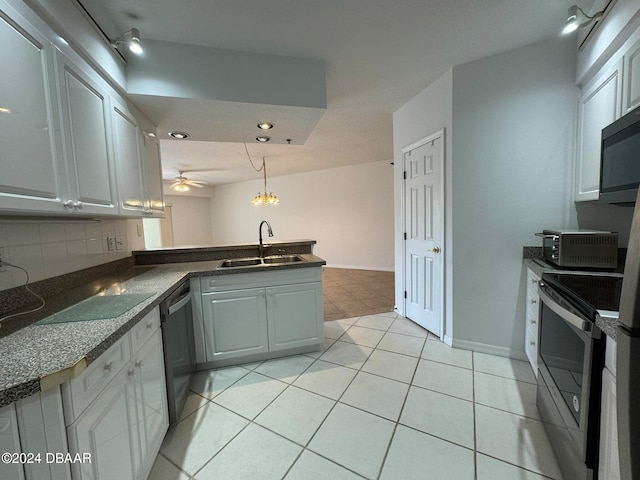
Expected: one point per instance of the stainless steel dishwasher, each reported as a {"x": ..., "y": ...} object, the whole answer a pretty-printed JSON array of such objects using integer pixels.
[{"x": 178, "y": 343}]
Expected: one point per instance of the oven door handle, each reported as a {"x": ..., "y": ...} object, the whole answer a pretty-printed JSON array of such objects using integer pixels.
[{"x": 569, "y": 317}]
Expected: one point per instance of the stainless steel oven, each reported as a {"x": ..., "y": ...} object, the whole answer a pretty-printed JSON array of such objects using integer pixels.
[{"x": 570, "y": 361}]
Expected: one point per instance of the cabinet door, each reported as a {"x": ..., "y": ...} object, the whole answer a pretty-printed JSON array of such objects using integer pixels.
[
  {"x": 107, "y": 431},
  {"x": 151, "y": 399},
  {"x": 31, "y": 173},
  {"x": 10, "y": 442},
  {"x": 609, "y": 467},
  {"x": 295, "y": 315},
  {"x": 152, "y": 176},
  {"x": 85, "y": 114},
  {"x": 127, "y": 153},
  {"x": 631, "y": 84},
  {"x": 599, "y": 105},
  {"x": 235, "y": 323}
]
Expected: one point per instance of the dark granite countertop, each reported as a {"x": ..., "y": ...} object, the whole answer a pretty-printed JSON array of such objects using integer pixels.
[{"x": 38, "y": 357}]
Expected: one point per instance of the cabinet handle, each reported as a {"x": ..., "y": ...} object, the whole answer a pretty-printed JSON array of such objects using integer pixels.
[
  {"x": 533, "y": 322},
  {"x": 138, "y": 364},
  {"x": 108, "y": 367},
  {"x": 131, "y": 372},
  {"x": 149, "y": 325},
  {"x": 534, "y": 301},
  {"x": 532, "y": 343},
  {"x": 78, "y": 205},
  {"x": 68, "y": 204}
]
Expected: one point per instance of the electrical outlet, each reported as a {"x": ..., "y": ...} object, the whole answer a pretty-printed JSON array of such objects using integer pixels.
[
  {"x": 119, "y": 243},
  {"x": 111, "y": 244}
]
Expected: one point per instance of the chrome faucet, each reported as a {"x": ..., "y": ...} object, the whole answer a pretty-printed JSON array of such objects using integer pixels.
[{"x": 261, "y": 247}]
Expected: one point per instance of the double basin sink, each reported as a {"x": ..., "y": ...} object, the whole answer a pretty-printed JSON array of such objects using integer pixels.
[{"x": 260, "y": 261}]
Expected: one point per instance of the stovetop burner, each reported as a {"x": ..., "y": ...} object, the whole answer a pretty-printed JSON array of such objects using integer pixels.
[{"x": 588, "y": 292}]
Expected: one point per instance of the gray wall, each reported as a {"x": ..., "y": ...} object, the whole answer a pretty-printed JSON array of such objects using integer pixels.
[
  {"x": 510, "y": 127},
  {"x": 514, "y": 120},
  {"x": 425, "y": 114}
]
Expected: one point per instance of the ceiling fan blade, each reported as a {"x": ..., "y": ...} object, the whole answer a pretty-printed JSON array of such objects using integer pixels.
[
  {"x": 201, "y": 170},
  {"x": 193, "y": 184}
]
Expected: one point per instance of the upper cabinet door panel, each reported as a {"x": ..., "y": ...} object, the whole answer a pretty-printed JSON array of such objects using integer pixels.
[
  {"x": 599, "y": 106},
  {"x": 153, "y": 176},
  {"x": 30, "y": 176},
  {"x": 127, "y": 148},
  {"x": 632, "y": 78},
  {"x": 86, "y": 122}
]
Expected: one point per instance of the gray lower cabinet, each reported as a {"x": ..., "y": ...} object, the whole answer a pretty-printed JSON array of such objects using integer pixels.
[
  {"x": 276, "y": 314},
  {"x": 235, "y": 323}
]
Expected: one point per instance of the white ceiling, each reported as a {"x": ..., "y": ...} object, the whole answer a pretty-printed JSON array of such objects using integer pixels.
[{"x": 378, "y": 53}]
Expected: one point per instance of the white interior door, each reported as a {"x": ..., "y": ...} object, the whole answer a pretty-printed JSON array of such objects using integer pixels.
[{"x": 424, "y": 231}]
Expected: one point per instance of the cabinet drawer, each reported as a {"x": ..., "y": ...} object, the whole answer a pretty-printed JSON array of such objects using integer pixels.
[
  {"x": 531, "y": 348},
  {"x": 81, "y": 391},
  {"x": 270, "y": 278},
  {"x": 144, "y": 329},
  {"x": 610, "y": 355}
]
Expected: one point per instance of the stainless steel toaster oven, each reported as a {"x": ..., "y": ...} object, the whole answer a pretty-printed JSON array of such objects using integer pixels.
[{"x": 580, "y": 248}]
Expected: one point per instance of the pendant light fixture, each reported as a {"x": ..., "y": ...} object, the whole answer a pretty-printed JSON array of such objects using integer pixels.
[{"x": 262, "y": 198}]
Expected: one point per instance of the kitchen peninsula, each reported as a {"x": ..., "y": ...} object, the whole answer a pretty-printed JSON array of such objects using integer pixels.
[{"x": 39, "y": 357}]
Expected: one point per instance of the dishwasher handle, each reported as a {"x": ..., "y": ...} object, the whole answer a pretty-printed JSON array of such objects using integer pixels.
[{"x": 180, "y": 302}]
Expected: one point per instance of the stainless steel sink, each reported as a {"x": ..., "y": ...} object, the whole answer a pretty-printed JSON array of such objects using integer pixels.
[
  {"x": 282, "y": 259},
  {"x": 240, "y": 262},
  {"x": 257, "y": 261}
]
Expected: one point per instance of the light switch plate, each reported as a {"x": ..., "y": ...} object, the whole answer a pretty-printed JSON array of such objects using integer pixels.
[{"x": 111, "y": 243}]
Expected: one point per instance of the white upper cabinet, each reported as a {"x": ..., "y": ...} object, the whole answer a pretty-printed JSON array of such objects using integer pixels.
[
  {"x": 90, "y": 167},
  {"x": 631, "y": 96},
  {"x": 138, "y": 164},
  {"x": 30, "y": 168},
  {"x": 126, "y": 141},
  {"x": 600, "y": 104},
  {"x": 70, "y": 143},
  {"x": 152, "y": 169}
]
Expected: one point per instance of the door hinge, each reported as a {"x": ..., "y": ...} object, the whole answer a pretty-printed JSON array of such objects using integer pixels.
[
  {"x": 404, "y": 175},
  {"x": 405, "y": 294},
  {"x": 405, "y": 235}
]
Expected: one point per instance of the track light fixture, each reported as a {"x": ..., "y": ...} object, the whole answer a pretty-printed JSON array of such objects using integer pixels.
[
  {"x": 576, "y": 18},
  {"x": 131, "y": 39}
]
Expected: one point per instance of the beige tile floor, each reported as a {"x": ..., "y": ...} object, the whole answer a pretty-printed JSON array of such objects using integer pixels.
[
  {"x": 383, "y": 400},
  {"x": 354, "y": 293}
]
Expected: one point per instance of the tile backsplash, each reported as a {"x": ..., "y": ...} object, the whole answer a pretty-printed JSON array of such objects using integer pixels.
[{"x": 48, "y": 248}]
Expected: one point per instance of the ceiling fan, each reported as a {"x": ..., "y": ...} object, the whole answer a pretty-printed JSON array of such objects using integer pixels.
[{"x": 182, "y": 183}]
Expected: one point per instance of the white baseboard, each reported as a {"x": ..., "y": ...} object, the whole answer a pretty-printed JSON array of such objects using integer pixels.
[{"x": 486, "y": 348}]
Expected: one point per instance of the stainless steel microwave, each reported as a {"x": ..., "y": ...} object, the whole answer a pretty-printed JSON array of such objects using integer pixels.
[{"x": 620, "y": 160}]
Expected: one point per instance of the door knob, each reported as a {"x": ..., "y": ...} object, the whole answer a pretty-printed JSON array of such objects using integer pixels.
[{"x": 435, "y": 249}]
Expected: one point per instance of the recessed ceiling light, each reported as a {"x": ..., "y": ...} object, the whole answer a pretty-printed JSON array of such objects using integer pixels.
[
  {"x": 263, "y": 139},
  {"x": 179, "y": 135},
  {"x": 265, "y": 126}
]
